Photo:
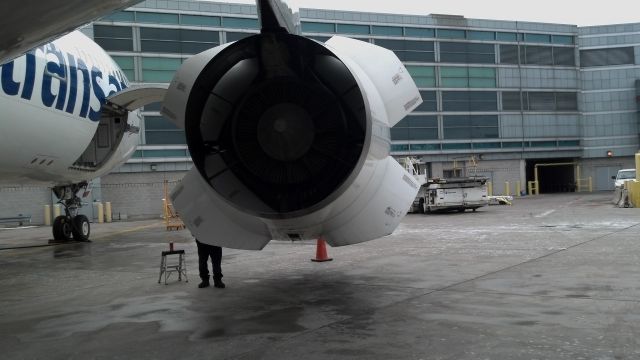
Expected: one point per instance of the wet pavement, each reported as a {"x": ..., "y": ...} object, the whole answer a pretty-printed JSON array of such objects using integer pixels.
[{"x": 552, "y": 277}]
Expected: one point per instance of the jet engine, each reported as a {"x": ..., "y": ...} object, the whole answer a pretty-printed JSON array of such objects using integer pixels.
[{"x": 290, "y": 140}]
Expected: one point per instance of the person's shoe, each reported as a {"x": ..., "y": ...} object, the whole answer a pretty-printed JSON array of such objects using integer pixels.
[
  {"x": 204, "y": 284},
  {"x": 217, "y": 282}
]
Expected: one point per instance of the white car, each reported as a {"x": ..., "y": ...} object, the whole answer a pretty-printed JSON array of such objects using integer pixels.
[{"x": 624, "y": 175}]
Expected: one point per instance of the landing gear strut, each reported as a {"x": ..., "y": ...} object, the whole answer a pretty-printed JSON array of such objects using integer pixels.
[{"x": 71, "y": 224}]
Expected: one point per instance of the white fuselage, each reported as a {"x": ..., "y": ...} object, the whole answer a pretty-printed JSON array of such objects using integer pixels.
[{"x": 52, "y": 101}]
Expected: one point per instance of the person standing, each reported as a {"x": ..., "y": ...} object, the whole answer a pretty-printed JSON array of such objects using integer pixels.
[{"x": 215, "y": 252}]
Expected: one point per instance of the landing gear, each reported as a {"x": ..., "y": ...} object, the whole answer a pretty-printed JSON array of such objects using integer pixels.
[
  {"x": 81, "y": 228},
  {"x": 71, "y": 225},
  {"x": 62, "y": 228}
]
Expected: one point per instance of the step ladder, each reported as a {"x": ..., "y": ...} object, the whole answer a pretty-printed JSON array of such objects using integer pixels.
[{"x": 167, "y": 268}]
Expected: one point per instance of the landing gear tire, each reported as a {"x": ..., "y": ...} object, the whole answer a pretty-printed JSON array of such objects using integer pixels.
[
  {"x": 81, "y": 228},
  {"x": 62, "y": 229}
]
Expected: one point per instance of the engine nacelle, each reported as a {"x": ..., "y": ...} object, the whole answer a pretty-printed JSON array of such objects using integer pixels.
[{"x": 290, "y": 140}]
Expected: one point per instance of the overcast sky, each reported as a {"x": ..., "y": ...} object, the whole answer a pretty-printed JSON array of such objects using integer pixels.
[{"x": 582, "y": 13}]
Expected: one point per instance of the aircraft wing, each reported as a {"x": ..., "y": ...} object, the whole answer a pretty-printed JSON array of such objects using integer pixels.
[{"x": 29, "y": 23}]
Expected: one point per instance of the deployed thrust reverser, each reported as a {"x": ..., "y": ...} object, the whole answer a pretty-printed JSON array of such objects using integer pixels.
[{"x": 290, "y": 140}]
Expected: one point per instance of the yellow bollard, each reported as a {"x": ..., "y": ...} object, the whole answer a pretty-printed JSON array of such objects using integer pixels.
[
  {"x": 100, "y": 212},
  {"x": 489, "y": 188},
  {"x": 590, "y": 184},
  {"x": 638, "y": 166},
  {"x": 47, "y": 215},
  {"x": 107, "y": 212},
  {"x": 518, "y": 189},
  {"x": 56, "y": 210},
  {"x": 507, "y": 188}
]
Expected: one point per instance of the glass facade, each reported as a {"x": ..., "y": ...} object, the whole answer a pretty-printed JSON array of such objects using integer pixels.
[{"x": 485, "y": 88}]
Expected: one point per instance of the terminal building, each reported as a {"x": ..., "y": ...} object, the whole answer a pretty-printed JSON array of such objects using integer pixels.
[{"x": 500, "y": 97}]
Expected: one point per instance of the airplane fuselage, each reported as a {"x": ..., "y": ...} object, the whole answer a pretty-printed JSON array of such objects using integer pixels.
[{"x": 52, "y": 103}]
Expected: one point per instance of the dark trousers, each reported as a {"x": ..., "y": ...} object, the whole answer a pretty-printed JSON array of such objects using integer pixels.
[{"x": 204, "y": 252}]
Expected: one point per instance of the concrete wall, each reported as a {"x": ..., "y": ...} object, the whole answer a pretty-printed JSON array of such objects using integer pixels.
[
  {"x": 132, "y": 195},
  {"x": 137, "y": 195},
  {"x": 26, "y": 200}
]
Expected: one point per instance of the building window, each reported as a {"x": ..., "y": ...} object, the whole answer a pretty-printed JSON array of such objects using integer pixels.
[
  {"x": 538, "y": 55},
  {"x": 399, "y": 147},
  {"x": 409, "y": 50},
  {"x": 353, "y": 29},
  {"x": 200, "y": 20},
  {"x": 566, "y": 101},
  {"x": 469, "y": 53},
  {"x": 386, "y": 30},
  {"x": 423, "y": 76},
  {"x": 509, "y": 54},
  {"x": 482, "y": 77},
  {"x": 160, "y": 131},
  {"x": 537, "y": 38},
  {"x": 466, "y": 101},
  {"x": 424, "y": 147},
  {"x": 564, "y": 56},
  {"x": 607, "y": 57},
  {"x": 126, "y": 64},
  {"x": 569, "y": 143},
  {"x": 539, "y": 101},
  {"x": 429, "y": 102},
  {"x": 160, "y": 153},
  {"x": 454, "y": 146},
  {"x": 507, "y": 36},
  {"x": 511, "y": 145},
  {"x": 419, "y": 32},
  {"x": 451, "y": 34},
  {"x": 156, "y": 18},
  {"x": 461, "y": 77},
  {"x": 536, "y": 144},
  {"x": 511, "y": 100},
  {"x": 486, "y": 145},
  {"x": 159, "y": 70},
  {"x": 113, "y": 38},
  {"x": 563, "y": 39},
  {"x": 481, "y": 35},
  {"x": 470, "y": 126},
  {"x": 240, "y": 23},
  {"x": 177, "y": 41},
  {"x": 316, "y": 27},
  {"x": 124, "y": 16},
  {"x": 416, "y": 127}
]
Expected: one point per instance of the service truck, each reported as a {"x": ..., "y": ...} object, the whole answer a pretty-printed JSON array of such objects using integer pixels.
[{"x": 457, "y": 194}]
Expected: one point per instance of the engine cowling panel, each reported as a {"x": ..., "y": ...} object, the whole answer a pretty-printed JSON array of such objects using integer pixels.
[{"x": 290, "y": 137}]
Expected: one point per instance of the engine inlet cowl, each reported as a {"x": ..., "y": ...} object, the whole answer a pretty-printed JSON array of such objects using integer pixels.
[
  {"x": 267, "y": 120},
  {"x": 290, "y": 140}
]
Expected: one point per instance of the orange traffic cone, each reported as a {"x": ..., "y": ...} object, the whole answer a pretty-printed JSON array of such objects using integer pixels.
[{"x": 321, "y": 251}]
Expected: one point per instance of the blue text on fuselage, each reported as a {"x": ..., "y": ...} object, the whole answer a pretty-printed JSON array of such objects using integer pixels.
[{"x": 67, "y": 69}]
